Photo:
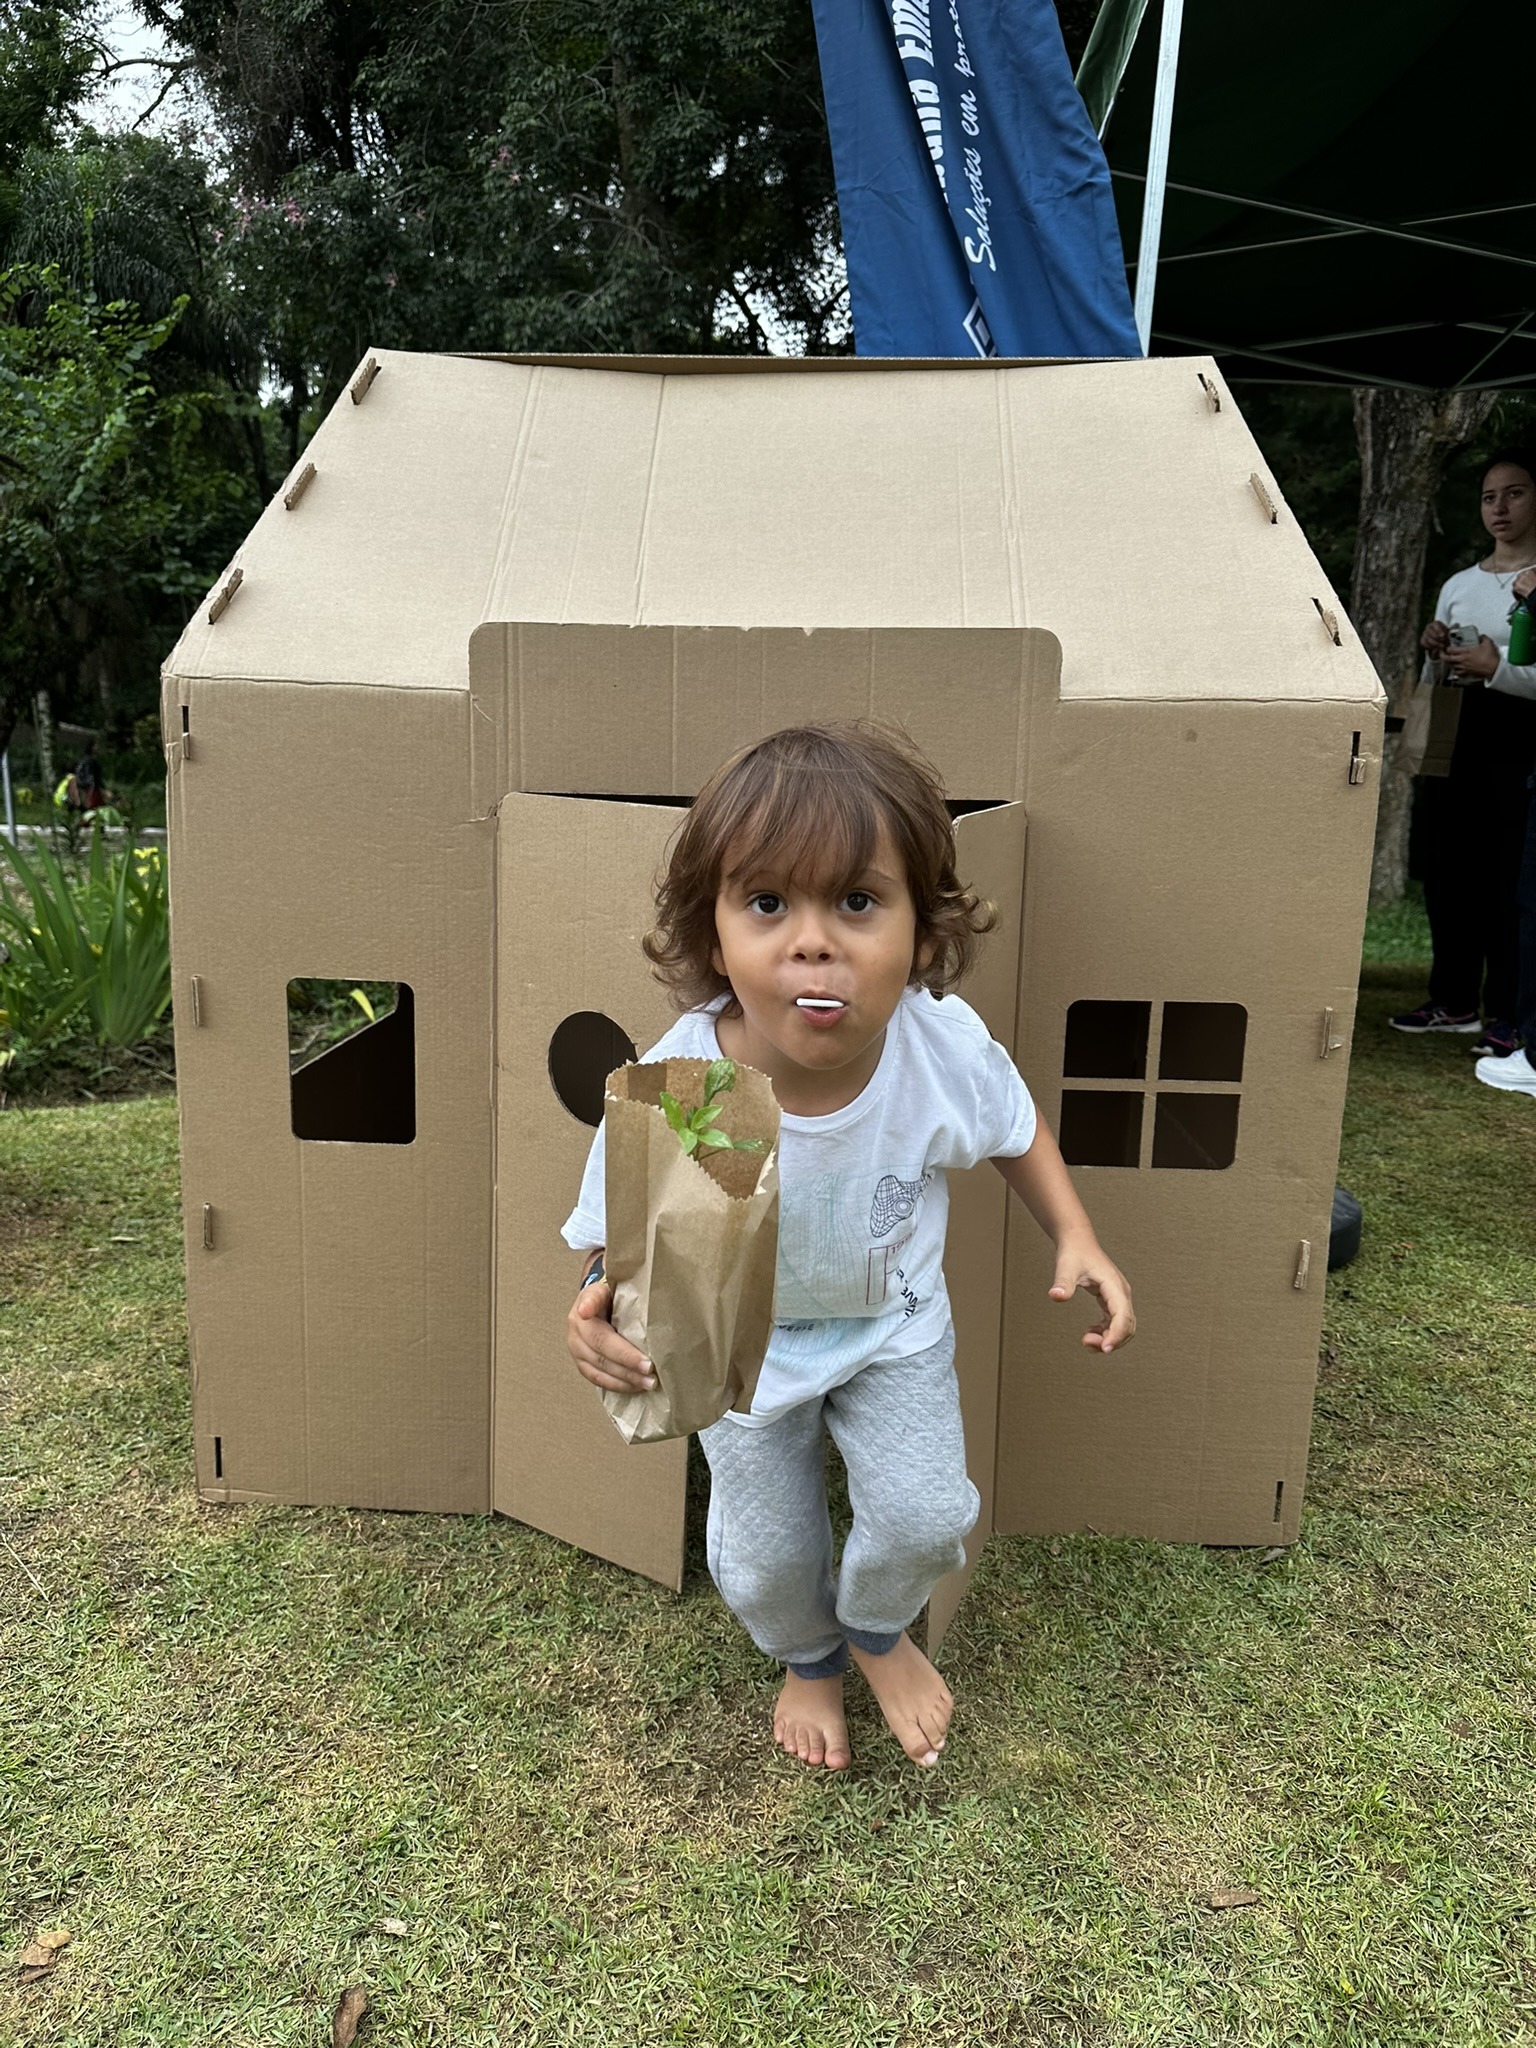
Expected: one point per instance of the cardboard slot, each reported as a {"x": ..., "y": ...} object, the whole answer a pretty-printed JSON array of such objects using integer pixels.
[
  {"x": 1197, "y": 1132},
  {"x": 362, "y": 1090},
  {"x": 1099, "y": 1128},
  {"x": 218, "y": 1457},
  {"x": 1107, "y": 1041},
  {"x": 1202, "y": 1042},
  {"x": 1279, "y": 1496},
  {"x": 585, "y": 1049}
]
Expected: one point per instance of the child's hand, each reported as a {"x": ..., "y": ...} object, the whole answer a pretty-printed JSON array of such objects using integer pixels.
[
  {"x": 600, "y": 1353},
  {"x": 1083, "y": 1264}
]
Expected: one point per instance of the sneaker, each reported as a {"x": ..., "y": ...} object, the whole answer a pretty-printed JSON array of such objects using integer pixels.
[
  {"x": 1430, "y": 1017},
  {"x": 1513, "y": 1071},
  {"x": 1499, "y": 1038}
]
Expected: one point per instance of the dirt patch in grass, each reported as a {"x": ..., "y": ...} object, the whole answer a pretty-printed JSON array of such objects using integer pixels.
[{"x": 79, "y": 1072}]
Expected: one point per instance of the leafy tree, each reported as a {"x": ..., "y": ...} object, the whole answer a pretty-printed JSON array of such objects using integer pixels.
[
  {"x": 110, "y": 511},
  {"x": 47, "y": 56},
  {"x": 636, "y": 175}
]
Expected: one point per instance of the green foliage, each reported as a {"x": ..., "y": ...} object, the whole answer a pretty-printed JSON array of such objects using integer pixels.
[
  {"x": 602, "y": 175},
  {"x": 108, "y": 512},
  {"x": 699, "y": 1127},
  {"x": 322, "y": 1012},
  {"x": 46, "y": 58},
  {"x": 87, "y": 946}
]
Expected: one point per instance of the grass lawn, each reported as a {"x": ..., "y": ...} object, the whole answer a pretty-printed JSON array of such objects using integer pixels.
[{"x": 236, "y": 1741}]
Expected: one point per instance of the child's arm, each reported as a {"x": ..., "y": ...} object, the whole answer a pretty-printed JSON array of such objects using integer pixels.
[
  {"x": 600, "y": 1353},
  {"x": 1039, "y": 1178}
]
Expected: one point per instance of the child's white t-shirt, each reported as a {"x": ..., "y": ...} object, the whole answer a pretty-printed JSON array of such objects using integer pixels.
[{"x": 863, "y": 1201}]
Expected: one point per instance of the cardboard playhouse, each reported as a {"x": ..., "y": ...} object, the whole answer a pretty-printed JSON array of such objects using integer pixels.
[{"x": 434, "y": 729}]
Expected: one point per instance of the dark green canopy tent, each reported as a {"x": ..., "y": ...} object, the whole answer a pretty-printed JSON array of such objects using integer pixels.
[{"x": 1350, "y": 184}]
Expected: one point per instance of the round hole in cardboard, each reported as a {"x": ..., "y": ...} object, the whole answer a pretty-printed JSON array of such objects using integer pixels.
[{"x": 583, "y": 1052}]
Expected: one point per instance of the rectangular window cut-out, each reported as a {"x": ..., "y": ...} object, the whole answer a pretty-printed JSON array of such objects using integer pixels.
[
  {"x": 1202, "y": 1042},
  {"x": 1107, "y": 1041},
  {"x": 1198, "y": 1131},
  {"x": 1100, "y": 1127},
  {"x": 352, "y": 1061}
]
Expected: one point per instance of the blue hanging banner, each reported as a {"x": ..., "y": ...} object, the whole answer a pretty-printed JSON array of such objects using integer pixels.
[{"x": 975, "y": 199}]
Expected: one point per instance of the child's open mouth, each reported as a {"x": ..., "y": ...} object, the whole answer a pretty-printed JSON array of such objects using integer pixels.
[{"x": 820, "y": 1011}]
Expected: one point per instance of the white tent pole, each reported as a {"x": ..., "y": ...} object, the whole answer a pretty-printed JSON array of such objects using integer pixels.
[
  {"x": 10, "y": 807},
  {"x": 1157, "y": 168}
]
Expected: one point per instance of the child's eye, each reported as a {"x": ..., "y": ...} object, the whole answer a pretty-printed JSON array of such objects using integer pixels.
[
  {"x": 765, "y": 902},
  {"x": 859, "y": 900}
]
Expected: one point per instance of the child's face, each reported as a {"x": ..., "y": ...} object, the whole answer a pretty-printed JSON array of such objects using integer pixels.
[{"x": 782, "y": 940}]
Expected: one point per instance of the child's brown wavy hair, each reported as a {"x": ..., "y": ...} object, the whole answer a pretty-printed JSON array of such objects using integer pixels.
[{"x": 811, "y": 800}]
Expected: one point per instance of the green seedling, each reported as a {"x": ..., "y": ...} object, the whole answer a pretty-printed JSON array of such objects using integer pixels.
[{"x": 697, "y": 1127}]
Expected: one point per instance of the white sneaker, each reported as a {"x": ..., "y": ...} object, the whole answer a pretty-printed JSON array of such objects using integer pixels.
[{"x": 1509, "y": 1070}]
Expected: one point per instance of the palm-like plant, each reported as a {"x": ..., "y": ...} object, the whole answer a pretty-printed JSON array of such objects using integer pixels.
[{"x": 88, "y": 948}]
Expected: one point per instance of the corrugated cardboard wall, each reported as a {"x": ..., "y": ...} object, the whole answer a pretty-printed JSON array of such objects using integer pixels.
[
  {"x": 1211, "y": 854},
  {"x": 340, "y": 1315}
]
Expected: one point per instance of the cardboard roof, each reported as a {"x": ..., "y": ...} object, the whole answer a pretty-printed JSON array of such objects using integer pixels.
[{"x": 1107, "y": 502}]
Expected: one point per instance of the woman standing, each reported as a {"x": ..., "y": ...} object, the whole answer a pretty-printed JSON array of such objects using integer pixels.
[{"x": 1474, "y": 816}]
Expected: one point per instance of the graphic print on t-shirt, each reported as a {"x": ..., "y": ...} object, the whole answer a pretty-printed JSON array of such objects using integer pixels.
[
  {"x": 841, "y": 1241},
  {"x": 894, "y": 1202}
]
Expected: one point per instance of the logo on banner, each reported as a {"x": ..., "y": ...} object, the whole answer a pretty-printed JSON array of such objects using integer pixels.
[{"x": 975, "y": 325}]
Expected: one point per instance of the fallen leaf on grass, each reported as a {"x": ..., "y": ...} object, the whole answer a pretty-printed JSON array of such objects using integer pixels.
[
  {"x": 41, "y": 1954},
  {"x": 1280, "y": 1550},
  {"x": 1237, "y": 1896},
  {"x": 350, "y": 2007},
  {"x": 394, "y": 1927}
]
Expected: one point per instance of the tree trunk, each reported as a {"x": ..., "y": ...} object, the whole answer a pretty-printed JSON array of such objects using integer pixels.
[{"x": 1404, "y": 438}]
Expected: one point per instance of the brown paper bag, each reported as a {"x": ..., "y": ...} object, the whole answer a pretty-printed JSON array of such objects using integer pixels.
[
  {"x": 693, "y": 1243},
  {"x": 1431, "y": 712}
]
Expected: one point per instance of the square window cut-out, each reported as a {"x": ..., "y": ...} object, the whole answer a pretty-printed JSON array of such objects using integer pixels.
[
  {"x": 352, "y": 1061},
  {"x": 1100, "y": 1128},
  {"x": 1107, "y": 1041},
  {"x": 1195, "y": 1131},
  {"x": 1202, "y": 1042}
]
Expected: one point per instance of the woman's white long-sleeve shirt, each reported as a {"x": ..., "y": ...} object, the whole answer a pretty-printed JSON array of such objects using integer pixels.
[{"x": 1483, "y": 600}]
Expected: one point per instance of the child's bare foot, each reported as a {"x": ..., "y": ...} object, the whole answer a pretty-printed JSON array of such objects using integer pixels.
[
  {"x": 914, "y": 1699},
  {"x": 808, "y": 1721}
]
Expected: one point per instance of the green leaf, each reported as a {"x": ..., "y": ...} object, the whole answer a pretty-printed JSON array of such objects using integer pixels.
[
  {"x": 702, "y": 1119},
  {"x": 672, "y": 1110},
  {"x": 720, "y": 1078},
  {"x": 690, "y": 1141},
  {"x": 749, "y": 1144},
  {"x": 717, "y": 1141}
]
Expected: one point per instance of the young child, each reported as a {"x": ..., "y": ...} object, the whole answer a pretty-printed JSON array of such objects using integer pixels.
[{"x": 809, "y": 923}]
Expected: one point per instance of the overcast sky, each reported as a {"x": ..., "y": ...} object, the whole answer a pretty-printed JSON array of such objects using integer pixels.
[{"x": 126, "y": 94}]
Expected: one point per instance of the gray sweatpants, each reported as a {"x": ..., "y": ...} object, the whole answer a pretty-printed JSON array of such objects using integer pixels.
[{"x": 897, "y": 1426}]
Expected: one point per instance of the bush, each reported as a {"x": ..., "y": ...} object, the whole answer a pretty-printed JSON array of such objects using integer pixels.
[{"x": 87, "y": 947}]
